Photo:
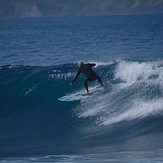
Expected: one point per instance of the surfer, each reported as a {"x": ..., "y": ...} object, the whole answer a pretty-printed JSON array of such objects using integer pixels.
[{"x": 90, "y": 74}]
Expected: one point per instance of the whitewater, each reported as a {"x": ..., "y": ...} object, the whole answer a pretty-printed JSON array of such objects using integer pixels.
[{"x": 38, "y": 61}]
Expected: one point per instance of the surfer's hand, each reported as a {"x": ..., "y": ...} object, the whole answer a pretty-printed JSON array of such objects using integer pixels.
[{"x": 70, "y": 84}]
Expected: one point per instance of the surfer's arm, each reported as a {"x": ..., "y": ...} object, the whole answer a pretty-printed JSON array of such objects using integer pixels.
[
  {"x": 92, "y": 64},
  {"x": 76, "y": 76}
]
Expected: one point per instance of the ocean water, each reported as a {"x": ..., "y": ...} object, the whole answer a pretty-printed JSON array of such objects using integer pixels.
[{"x": 38, "y": 60}]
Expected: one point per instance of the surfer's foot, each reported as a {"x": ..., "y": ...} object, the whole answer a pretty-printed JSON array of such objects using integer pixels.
[
  {"x": 86, "y": 93},
  {"x": 104, "y": 87}
]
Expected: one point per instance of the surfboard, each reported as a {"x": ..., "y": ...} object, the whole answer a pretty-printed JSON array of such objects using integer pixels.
[{"x": 80, "y": 95}]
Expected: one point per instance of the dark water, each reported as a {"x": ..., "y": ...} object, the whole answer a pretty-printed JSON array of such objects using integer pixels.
[{"x": 38, "y": 61}]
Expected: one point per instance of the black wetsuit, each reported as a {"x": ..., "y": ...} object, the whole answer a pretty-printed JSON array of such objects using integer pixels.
[{"x": 90, "y": 74}]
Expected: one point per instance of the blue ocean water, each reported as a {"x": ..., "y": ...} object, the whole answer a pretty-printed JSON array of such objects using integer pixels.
[{"x": 38, "y": 60}]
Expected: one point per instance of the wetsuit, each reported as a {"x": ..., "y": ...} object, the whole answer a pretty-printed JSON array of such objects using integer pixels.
[{"x": 90, "y": 74}]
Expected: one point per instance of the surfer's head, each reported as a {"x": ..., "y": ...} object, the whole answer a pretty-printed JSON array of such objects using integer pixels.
[{"x": 80, "y": 63}]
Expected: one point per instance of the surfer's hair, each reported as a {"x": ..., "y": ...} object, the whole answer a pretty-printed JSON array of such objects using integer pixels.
[{"x": 80, "y": 63}]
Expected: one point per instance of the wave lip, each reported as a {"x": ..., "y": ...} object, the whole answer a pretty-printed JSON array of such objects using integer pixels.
[{"x": 131, "y": 72}]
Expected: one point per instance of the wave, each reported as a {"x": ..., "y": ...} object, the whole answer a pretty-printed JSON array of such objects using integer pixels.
[
  {"x": 136, "y": 92},
  {"x": 130, "y": 107}
]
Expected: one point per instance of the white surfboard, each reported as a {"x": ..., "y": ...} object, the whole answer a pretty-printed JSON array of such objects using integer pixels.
[{"x": 80, "y": 95}]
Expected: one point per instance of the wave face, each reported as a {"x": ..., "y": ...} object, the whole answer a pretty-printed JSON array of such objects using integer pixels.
[{"x": 128, "y": 115}]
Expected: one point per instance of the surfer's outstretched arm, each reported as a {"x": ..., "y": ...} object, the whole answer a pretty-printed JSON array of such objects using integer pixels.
[{"x": 77, "y": 74}]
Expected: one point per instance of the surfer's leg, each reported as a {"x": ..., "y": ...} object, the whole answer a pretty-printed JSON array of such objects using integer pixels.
[
  {"x": 100, "y": 81},
  {"x": 86, "y": 85}
]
